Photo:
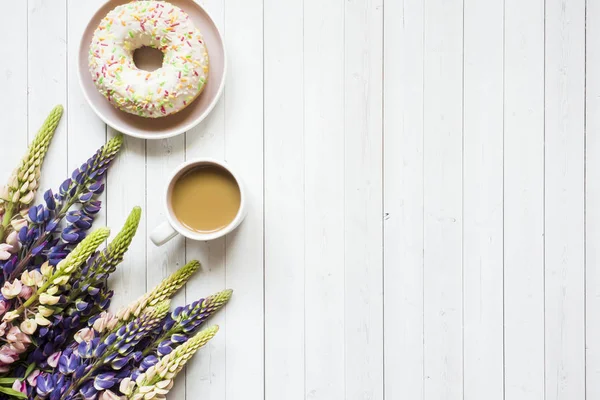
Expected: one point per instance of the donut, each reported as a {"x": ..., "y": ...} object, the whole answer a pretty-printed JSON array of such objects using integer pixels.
[{"x": 156, "y": 24}]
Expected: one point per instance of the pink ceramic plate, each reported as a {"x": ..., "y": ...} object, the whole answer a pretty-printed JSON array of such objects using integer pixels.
[{"x": 175, "y": 124}]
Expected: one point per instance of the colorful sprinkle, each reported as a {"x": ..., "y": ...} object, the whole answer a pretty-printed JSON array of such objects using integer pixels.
[{"x": 170, "y": 88}]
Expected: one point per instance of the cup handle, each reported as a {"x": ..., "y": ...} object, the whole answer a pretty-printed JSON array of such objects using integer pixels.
[{"x": 162, "y": 234}]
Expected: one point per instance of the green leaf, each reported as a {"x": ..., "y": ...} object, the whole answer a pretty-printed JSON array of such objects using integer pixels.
[
  {"x": 29, "y": 369},
  {"x": 7, "y": 380},
  {"x": 12, "y": 392}
]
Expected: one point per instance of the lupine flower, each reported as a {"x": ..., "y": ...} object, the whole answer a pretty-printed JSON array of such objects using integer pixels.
[
  {"x": 156, "y": 382},
  {"x": 37, "y": 238},
  {"x": 23, "y": 183},
  {"x": 54, "y": 293},
  {"x": 185, "y": 321},
  {"x": 48, "y": 294},
  {"x": 84, "y": 298},
  {"x": 164, "y": 290},
  {"x": 102, "y": 358}
]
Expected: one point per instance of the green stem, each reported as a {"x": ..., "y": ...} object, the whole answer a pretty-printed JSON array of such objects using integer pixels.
[
  {"x": 8, "y": 214},
  {"x": 38, "y": 292},
  {"x": 158, "y": 341}
]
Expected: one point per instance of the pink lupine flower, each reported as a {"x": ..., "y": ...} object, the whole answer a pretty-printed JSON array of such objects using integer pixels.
[
  {"x": 8, "y": 354},
  {"x": 108, "y": 395},
  {"x": 11, "y": 290},
  {"x": 53, "y": 359},
  {"x": 3, "y": 326},
  {"x": 32, "y": 378},
  {"x": 106, "y": 321},
  {"x": 20, "y": 386},
  {"x": 26, "y": 292},
  {"x": 18, "y": 223},
  {"x": 13, "y": 240},
  {"x": 15, "y": 336},
  {"x": 10, "y": 247},
  {"x": 3, "y": 306},
  {"x": 5, "y": 253},
  {"x": 84, "y": 335}
]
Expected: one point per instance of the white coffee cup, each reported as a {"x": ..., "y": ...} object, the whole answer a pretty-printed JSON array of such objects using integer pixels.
[{"x": 172, "y": 226}]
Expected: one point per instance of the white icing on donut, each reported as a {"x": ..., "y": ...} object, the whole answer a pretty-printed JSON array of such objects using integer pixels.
[{"x": 155, "y": 24}]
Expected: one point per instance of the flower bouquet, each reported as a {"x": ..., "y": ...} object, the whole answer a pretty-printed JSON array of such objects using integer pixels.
[{"x": 59, "y": 342}]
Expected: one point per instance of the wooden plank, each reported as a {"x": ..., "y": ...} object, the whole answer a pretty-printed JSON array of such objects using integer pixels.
[
  {"x": 244, "y": 151},
  {"x": 87, "y": 132},
  {"x": 162, "y": 157},
  {"x": 483, "y": 200},
  {"x": 443, "y": 64},
  {"x": 564, "y": 200},
  {"x": 592, "y": 199},
  {"x": 524, "y": 200},
  {"x": 363, "y": 187},
  {"x": 47, "y": 81},
  {"x": 324, "y": 199},
  {"x": 284, "y": 201},
  {"x": 13, "y": 78},
  {"x": 403, "y": 200},
  {"x": 206, "y": 373},
  {"x": 127, "y": 189}
]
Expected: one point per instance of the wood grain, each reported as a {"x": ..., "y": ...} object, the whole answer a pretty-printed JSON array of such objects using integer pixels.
[
  {"x": 423, "y": 199},
  {"x": 524, "y": 200},
  {"x": 483, "y": 264}
]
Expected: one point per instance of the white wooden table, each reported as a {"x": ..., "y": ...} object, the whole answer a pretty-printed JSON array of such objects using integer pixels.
[{"x": 424, "y": 179}]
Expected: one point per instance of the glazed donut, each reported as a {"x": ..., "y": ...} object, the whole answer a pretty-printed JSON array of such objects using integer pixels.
[{"x": 156, "y": 24}]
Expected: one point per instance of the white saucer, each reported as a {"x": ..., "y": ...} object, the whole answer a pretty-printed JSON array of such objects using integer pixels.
[{"x": 171, "y": 125}]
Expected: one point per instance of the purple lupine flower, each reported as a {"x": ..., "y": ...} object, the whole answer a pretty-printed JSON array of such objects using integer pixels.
[
  {"x": 89, "y": 294},
  {"x": 104, "y": 358},
  {"x": 37, "y": 239}
]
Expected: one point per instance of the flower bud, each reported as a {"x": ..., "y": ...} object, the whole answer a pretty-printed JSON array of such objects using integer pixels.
[
  {"x": 46, "y": 269},
  {"x": 48, "y": 299},
  {"x": 13, "y": 181},
  {"x": 4, "y": 193},
  {"x": 11, "y": 315},
  {"x": 18, "y": 223},
  {"x": 24, "y": 187},
  {"x": 52, "y": 290},
  {"x": 126, "y": 387},
  {"x": 13, "y": 240},
  {"x": 45, "y": 311},
  {"x": 28, "y": 198},
  {"x": 61, "y": 280},
  {"x": 41, "y": 320},
  {"x": 108, "y": 395}
]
